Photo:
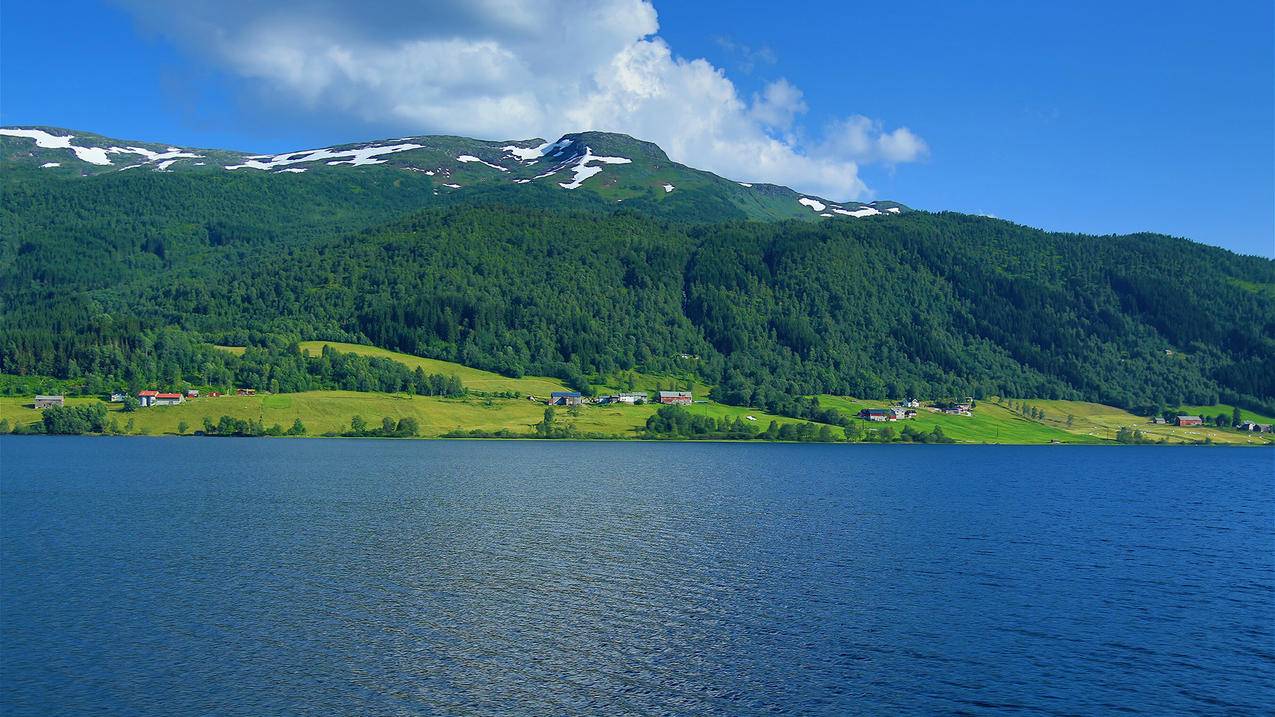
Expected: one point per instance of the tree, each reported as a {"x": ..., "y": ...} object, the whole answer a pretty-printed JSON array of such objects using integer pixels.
[
  {"x": 4, "y": 425},
  {"x": 182, "y": 427},
  {"x": 772, "y": 431},
  {"x": 74, "y": 419},
  {"x": 407, "y": 427},
  {"x": 297, "y": 429},
  {"x": 545, "y": 427},
  {"x": 131, "y": 404},
  {"x": 1070, "y": 420},
  {"x": 358, "y": 425},
  {"x": 1237, "y": 417}
]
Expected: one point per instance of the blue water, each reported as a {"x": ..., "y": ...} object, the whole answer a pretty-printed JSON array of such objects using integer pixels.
[{"x": 188, "y": 576}]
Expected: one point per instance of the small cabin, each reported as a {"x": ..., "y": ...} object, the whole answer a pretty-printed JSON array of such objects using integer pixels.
[
  {"x": 245, "y": 392},
  {"x": 674, "y": 398},
  {"x": 118, "y": 397},
  {"x": 877, "y": 414},
  {"x": 192, "y": 393},
  {"x": 147, "y": 398},
  {"x": 168, "y": 399},
  {"x": 1188, "y": 420},
  {"x": 49, "y": 401}
]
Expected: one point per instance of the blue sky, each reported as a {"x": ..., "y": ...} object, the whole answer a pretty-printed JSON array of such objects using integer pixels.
[{"x": 1075, "y": 116}]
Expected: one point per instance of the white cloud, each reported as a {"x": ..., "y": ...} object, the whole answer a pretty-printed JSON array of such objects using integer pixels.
[
  {"x": 503, "y": 69},
  {"x": 865, "y": 140},
  {"x": 778, "y": 105}
]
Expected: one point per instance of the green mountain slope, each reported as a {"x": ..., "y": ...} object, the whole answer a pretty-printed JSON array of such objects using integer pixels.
[{"x": 128, "y": 276}]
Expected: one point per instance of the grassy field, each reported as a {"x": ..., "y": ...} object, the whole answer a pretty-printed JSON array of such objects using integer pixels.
[
  {"x": 989, "y": 424},
  {"x": 331, "y": 411},
  {"x": 472, "y": 378},
  {"x": 1097, "y": 420},
  {"x": 1090, "y": 423},
  {"x": 1211, "y": 411}
]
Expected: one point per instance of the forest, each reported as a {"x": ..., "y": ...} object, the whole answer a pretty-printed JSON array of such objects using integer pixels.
[{"x": 135, "y": 283}]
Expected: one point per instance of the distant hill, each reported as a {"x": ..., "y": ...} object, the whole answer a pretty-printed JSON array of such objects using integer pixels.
[{"x": 585, "y": 257}]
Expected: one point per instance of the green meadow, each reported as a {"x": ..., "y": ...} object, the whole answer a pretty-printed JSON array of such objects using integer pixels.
[{"x": 330, "y": 412}]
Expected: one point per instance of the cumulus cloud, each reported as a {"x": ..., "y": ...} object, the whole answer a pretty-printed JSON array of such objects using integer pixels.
[
  {"x": 865, "y": 140},
  {"x": 778, "y": 105},
  {"x": 514, "y": 69}
]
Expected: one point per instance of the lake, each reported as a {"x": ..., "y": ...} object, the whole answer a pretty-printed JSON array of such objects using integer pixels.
[{"x": 189, "y": 576}]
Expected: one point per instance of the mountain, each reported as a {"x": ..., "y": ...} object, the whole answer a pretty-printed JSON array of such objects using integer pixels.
[
  {"x": 603, "y": 166},
  {"x": 571, "y": 259}
]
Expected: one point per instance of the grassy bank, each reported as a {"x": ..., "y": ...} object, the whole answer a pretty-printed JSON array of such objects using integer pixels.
[{"x": 330, "y": 412}]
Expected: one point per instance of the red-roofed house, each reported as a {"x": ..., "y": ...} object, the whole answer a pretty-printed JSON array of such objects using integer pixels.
[
  {"x": 147, "y": 398},
  {"x": 168, "y": 399}
]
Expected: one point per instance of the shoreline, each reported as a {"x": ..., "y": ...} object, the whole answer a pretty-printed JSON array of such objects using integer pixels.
[{"x": 533, "y": 439}]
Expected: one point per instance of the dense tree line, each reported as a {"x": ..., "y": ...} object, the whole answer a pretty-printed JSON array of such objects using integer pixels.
[
  {"x": 919, "y": 304},
  {"x": 677, "y": 422}
]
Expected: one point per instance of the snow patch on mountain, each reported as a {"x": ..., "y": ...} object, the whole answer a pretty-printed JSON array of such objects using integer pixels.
[
  {"x": 466, "y": 158},
  {"x": 583, "y": 171},
  {"x": 745, "y": 184},
  {"x": 353, "y": 157},
  {"x": 668, "y": 188},
  {"x": 863, "y": 212},
  {"x": 814, "y": 204},
  {"x": 531, "y": 154},
  {"x": 50, "y": 164},
  {"x": 94, "y": 155}
]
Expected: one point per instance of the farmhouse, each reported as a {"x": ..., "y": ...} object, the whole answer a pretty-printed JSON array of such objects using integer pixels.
[
  {"x": 168, "y": 399},
  {"x": 898, "y": 413},
  {"x": 118, "y": 397},
  {"x": 245, "y": 392},
  {"x": 48, "y": 401},
  {"x": 147, "y": 398},
  {"x": 1188, "y": 420},
  {"x": 192, "y": 393},
  {"x": 679, "y": 398},
  {"x": 565, "y": 398},
  {"x": 877, "y": 414}
]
